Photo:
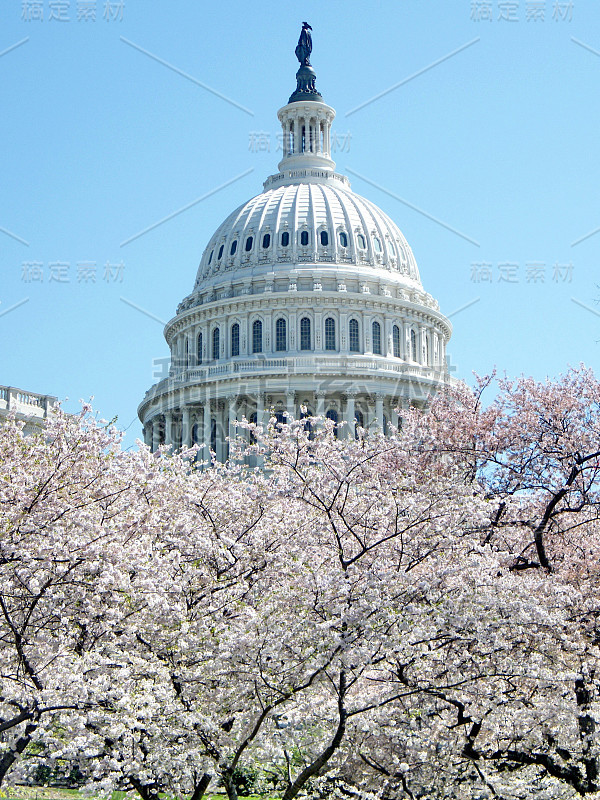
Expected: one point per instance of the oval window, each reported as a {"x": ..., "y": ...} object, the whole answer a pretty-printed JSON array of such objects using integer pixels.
[
  {"x": 376, "y": 244},
  {"x": 211, "y": 255},
  {"x": 285, "y": 239},
  {"x": 249, "y": 241},
  {"x": 233, "y": 247},
  {"x": 324, "y": 238},
  {"x": 220, "y": 251},
  {"x": 343, "y": 239},
  {"x": 304, "y": 238},
  {"x": 266, "y": 240},
  {"x": 361, "y": 242}
]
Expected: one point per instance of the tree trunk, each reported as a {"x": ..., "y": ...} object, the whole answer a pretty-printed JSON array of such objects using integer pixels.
[
  {"x": 201, "y": 787},
  {"x": 319, "y": 762},
  {"x": 9, "y": 758},
  {"x": 230, "y": 788}
]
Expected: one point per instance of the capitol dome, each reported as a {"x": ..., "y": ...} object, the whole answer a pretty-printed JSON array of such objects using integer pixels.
[
  {"x": 307, "y": 296},
  {"x": 324, "y": 221}
]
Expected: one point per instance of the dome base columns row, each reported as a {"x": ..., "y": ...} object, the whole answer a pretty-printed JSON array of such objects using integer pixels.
[{"x": 212, "y": 423}]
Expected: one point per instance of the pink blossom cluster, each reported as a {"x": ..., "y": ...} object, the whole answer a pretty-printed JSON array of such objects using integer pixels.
[{"x": 413, "y": 615}]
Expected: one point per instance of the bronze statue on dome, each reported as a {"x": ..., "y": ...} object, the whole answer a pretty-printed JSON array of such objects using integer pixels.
[{"x": 304, "y": 46}]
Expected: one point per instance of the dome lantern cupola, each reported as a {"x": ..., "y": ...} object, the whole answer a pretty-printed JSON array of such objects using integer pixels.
[{"x": 306, "y": 119}]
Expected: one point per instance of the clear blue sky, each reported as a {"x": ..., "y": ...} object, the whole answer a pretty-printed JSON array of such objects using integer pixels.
[{"x": 491, "y": 131}]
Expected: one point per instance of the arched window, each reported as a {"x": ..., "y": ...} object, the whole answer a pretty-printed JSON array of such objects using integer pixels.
[
  {"x": 285, "y": 239},
  {"x": 216, "y": 344},
  {"x": 376, "y": 244},
  {"x": 396, "y": 341},
  {"x": 187, "y": 353},
  {"x": 233, "y": 247},
  {"x": 329, "y": 333},
  {"x": 360, "y": 422},
  {"x": 211, "y": 255},
  {"x": 377, "y": 338},
  {"x": 413, "y": 345},
  {"x": 333, "y": 416},
  {"x": 343, "y": 239},
  {"x": 213, "y": 435},
  {"x": 280, "y": 335},
  {"x": 266, "y": 241},
  {"x": 199, "y": 349},
  {"x": 221, "y": 251},
  {"x": 304, "y": 238},
  {"x": 249, "y": 242},
  {"x": 361, "y": 242},
  {"x": 353, "y": 336},
  {"x": 324, "y": 238},
  {"x": 257, "y": 336},
  {"x": 235, "y": 339},
  {"x": 305, "y": 333}
]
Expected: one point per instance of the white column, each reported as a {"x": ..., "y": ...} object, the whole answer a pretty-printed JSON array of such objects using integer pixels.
[
  {"x": 168, "y": 428},
  {"x": 388, "y": 342},
  {"x": 350, "y": 412},
  {"x": 231, "y": 418},
  {"x": 155, "y": 434},
  {"x": 367, "y": 323},
  {"x": 186, "y": 428},
  {"x": 421, "y": 354},
  {"x": 205, "y": 433},
  {"x": 293, "y": 343},
  {"x": 290, "y": 405},
  {"x": 320, "y": 410},
  {"x": 269, "y": 333},
  {"x": 379, "y": 411},
  {"x": 318, "y": 331},
  {"x": 260, "y": 409},
  {"x": 222, "y": 426},
  {"x": 343, "y": 340},
  {"x": 297, "y": 135}
]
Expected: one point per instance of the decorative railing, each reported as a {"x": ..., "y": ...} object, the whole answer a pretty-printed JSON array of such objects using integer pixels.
[
  {"x": 342, "y": 365},
  {"x": 24, "y": 403}
]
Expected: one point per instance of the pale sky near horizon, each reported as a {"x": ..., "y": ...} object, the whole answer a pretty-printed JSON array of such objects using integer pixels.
[{"x": 473, "y": 124}]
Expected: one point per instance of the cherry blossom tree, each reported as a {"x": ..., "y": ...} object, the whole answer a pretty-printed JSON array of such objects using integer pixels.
[
  {"x": 291, "y": 596},
  {"x": 404, "y": 616},
  {"x": 527, "y": 707},
  {"x": 78, "y": 518}
]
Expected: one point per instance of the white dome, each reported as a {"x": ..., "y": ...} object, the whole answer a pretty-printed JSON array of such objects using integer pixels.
[
  {"x": 301, "y": 224},
  {"x": 307, "y": 296}
]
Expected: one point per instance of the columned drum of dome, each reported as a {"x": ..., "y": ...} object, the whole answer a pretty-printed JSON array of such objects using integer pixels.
[{"x": 307, "y": 295}]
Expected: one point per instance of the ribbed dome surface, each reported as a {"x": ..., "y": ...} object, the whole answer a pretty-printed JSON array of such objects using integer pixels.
[{"x": 306, "y": 223}]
